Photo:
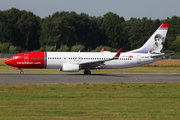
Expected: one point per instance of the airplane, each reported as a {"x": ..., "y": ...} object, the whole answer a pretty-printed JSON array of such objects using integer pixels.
[{"x": 76, "y": 61}]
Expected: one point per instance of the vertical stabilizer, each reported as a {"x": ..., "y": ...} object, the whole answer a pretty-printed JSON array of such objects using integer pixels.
[{"x": 155, "y": 43}]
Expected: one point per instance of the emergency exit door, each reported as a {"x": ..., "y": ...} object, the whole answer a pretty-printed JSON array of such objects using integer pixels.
[
  {"x": 138, "y": 59},
  {"x": 26, "y": 58}
]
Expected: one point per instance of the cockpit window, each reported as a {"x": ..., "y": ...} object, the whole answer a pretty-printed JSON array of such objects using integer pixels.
[{"x": 14, "y": 57}]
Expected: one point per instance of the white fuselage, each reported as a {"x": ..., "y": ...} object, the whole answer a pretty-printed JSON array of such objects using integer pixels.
[{"x": 126, "y": 60}]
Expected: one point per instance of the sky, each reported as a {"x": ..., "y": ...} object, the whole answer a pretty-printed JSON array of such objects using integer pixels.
[{"x": 154, "y": 9}]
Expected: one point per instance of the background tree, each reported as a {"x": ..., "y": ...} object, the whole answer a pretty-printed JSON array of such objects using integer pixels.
[
  {"x": 46, "y": 31},
  {"x": 63, "y": 30},
  {"x": 49, "y": 48},
  {"x": 4, "y": 47},
  {"x": 13, "y": 49},
  {"x": 175, "y": 46},
  {"x": 77, "y": 48},
  {"x": 29, "y": 27},
  {"x": 63, "y": 48},
  {"x": 112, "y": 29}
]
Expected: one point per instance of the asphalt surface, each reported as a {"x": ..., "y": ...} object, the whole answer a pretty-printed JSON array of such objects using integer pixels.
[{"x": 56, "y": 78}]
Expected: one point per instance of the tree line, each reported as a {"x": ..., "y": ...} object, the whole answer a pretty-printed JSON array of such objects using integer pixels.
[{"x": 22, "y": 31}]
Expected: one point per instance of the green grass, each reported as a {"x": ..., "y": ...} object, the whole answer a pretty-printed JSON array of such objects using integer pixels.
[{"x": 126, "y": 101}]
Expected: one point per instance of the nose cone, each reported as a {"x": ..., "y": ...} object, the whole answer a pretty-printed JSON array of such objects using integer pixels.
[{"x": 8, "y": 61}]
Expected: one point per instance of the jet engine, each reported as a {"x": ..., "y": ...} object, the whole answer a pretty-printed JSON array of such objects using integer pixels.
[{"x": 69, "y": 67}]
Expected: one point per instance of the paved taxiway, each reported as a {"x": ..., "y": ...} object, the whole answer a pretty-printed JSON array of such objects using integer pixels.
[{"x": 56, "y": 78}]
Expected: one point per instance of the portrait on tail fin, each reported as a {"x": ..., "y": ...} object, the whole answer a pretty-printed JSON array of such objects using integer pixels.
[{"x": 158, "y": 45}]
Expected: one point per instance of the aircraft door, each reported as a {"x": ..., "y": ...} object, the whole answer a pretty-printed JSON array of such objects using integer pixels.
[
  {"x": 26, "y": 58},
  {"x": 138, "y": 59}
]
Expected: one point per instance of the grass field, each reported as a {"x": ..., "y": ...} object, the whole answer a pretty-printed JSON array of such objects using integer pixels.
[
  {"x": 2, "y": 61},
  {"x": 113, "y": 101}
]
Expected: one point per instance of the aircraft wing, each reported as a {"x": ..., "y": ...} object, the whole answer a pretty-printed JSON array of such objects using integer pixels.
[
  {"x": 97, "y": 63},
  {"x": 161, "y": 55}
]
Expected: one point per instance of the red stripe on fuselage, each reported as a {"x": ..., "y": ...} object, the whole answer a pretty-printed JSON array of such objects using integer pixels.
[{"x": 28, "y": 60}]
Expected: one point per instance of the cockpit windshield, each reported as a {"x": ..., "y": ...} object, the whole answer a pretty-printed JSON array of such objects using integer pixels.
[{"x": 14, "y": 57}]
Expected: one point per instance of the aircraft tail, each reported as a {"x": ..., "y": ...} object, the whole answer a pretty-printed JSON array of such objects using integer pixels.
[{"x": 155, "y": 43}]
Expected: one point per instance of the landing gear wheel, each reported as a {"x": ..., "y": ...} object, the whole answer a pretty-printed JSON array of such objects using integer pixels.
[
  {"x": 87, "y": 72},
  {"x": 22, "y": 72}
]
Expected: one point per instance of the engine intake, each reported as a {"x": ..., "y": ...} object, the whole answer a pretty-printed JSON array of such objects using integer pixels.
[{"x": 69, "y": 67}]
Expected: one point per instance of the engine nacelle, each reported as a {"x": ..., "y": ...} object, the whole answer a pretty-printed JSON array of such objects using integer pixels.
[{"x": 69, "y": 67}]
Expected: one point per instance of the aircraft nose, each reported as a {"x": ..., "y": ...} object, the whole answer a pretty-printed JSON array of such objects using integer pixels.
[{"x": 7, "y": 61}]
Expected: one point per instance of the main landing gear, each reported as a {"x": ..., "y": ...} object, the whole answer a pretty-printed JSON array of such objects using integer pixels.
[{"x": 87, "y": 72}]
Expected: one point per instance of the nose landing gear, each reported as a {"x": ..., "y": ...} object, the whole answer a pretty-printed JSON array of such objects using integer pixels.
[{"x": 21, "y": 72}]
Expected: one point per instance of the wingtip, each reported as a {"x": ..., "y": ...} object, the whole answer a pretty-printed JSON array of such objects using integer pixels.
[{"x": 102, "y": 49}]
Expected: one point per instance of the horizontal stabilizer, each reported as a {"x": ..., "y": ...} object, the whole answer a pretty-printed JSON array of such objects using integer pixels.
[{"x": 161, "y": 55}]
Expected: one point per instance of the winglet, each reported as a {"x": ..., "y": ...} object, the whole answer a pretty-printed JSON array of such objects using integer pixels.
[
  {"x": 102, "y": 49},
  {"x": 118, "y": 53}
]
